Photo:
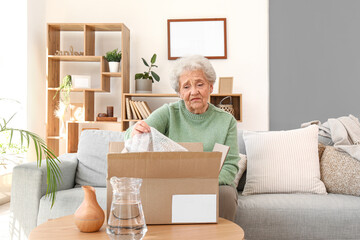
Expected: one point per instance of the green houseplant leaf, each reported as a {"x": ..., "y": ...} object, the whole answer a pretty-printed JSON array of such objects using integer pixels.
[
  {"x": 113, "y": 56},
  {"x": 153, "y": 58},
  {"x": 139, "y": 76},
  {"x": 157, "y": 78},
  {"x": 53, "y": 178},
  {"x": 144, "y": 61},
  {"x": 149, "y": 74}
]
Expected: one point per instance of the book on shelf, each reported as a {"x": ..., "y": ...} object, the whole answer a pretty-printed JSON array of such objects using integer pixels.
[
  {"x": 141, "y": 109},
  {"x": 136, "y": 110},
  {"x": 133, "y": 110},
  {"x": 146, "y": 107},
  {"x": 128, "y": 110}
]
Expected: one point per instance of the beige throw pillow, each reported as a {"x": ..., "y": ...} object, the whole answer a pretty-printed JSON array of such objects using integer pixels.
[
  {"x": 340, "y": 172},
  {"x": 242, "y": 168},
  {"x": 283, "y": 162}
]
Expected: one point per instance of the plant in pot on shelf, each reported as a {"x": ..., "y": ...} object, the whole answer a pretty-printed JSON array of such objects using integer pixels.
[
  {"x": 145, "y": 80},
  {"x": 16, "y": 141},
  {"x": 64, "y": 102},
  {"x": 114, "y": 58}
]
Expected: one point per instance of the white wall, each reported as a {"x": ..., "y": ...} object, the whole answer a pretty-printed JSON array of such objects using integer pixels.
[
  {"x": 247, "y": 34},
  {"x": 36, "y": 70}
]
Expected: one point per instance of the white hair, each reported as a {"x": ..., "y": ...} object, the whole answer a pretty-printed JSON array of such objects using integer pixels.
[{"x": 190, "y": 63}]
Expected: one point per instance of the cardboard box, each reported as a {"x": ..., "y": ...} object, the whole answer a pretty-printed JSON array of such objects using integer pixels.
[{"x": 178, "y": 187}]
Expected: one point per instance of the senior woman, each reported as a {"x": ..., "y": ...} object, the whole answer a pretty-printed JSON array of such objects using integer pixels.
[{"x": 193, "y": 119}]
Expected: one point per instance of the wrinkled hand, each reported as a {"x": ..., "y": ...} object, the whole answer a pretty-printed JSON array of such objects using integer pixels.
[{"x": 140, "y": 128}]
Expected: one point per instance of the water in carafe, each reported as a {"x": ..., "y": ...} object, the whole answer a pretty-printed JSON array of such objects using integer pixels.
[{"x": 126, "y": 218}]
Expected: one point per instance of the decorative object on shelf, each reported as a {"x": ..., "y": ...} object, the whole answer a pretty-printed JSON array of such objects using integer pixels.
[
  {"x": 64, "y": 90},
  {"x": 81, "y": 81},
  {"x": 54, "y": 175},
  {"x": 69, "y": 53},
  {"x": 110, "y": 111},
  {"x": 227, "y": 107},
  {"x": 77, "y": 112},
  {"x": 89, "y": 217},
  {"x": 225, "y": 85},
  {"x": 206, "y": 37},
  {"x": 144, "y": 80},
  {"x": 102, "y": 115},
  {"x": 114, "y": 58},
  {"x": 108, "y": 116}
]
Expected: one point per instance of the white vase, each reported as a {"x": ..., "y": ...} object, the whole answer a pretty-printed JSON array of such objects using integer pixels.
[
  {"x": 143, "y": 85},
  {"x": 114, "y": 66}
]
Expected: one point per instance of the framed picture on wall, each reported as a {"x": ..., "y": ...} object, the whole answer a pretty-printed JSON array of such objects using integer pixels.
[{"x": 205, "y": 37}]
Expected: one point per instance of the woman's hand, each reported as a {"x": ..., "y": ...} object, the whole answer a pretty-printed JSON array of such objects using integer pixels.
[{"x": 140, "y": 128}]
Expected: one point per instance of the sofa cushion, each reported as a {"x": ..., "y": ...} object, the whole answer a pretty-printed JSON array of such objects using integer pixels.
[
  {"x": 241, "y": 142},
  {"x": 299, "y": 216},
  {"x": 67, "y": 201},
  {"x": 283, "y": 162},
  {"x": 92, "y": 150},
  {"x": 340, "y": 172},
  {"x": 242, "y": 169}
]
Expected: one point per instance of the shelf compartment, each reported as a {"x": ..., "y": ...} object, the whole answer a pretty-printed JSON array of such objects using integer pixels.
[
  {"x": 76, "y": 58},
  {"x": 150, "y": 95},
  {"x": 236, "y": 101},
  {"x": 55, "y": 137},
  {"x": 67, "y": 26},
  {"x": 81, "y": 89},
  {"x": 112, "y": 74}
]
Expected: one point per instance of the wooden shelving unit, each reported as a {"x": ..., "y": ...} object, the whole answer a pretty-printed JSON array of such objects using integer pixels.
[
  {"x": 214, "y": 99},
  {"x": 53, "y": 70}
]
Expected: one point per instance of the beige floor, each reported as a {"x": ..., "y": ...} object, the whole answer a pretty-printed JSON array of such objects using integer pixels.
[{"x": 4, "y": 221}]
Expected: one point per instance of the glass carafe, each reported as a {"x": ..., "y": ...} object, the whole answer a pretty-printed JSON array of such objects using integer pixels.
[{"x": 126, "y": 218}]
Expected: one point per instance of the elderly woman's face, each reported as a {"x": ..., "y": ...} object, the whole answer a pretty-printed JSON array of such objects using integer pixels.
[{"x": 195, "y": 90}]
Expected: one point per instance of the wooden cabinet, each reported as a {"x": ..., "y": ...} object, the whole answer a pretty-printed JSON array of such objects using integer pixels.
[{"x": 88, "y": 31}]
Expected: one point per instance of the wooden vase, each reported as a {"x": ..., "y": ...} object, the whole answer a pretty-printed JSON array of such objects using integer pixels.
[{"x": 89, "y": 217}]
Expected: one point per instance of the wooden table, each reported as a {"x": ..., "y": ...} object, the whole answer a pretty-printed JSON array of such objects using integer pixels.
[{"x": 65, "y": 228}]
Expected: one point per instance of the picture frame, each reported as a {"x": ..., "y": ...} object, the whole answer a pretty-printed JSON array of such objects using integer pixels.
[
  {"x": 225, "y": 85},
  {"x": 204, "y": 36}
]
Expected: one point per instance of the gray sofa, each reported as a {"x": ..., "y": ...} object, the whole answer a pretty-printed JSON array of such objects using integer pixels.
[{"x": 262, "y": 216}]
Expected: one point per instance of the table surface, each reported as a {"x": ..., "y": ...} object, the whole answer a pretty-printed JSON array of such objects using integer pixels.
[{"x": 65, "y": 228}]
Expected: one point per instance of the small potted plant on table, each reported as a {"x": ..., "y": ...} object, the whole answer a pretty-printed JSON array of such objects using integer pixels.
[
  {"x": 145, "y": 80},
  {"x": 114, "y": 58}
]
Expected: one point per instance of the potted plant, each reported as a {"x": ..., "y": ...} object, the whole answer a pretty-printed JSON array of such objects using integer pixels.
[
  {"x": 64, "y": 90},
  {"x": 7, "y": 137},
  {"x": 114, "y": 58},
  {"x": 144, "y": 80}
]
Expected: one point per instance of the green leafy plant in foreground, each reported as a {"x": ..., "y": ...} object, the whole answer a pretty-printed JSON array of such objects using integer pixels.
[
  {"x": 113, "y": 56},
  {"x": 149, "y": 74},
  {"x": 53, "y": 177}
]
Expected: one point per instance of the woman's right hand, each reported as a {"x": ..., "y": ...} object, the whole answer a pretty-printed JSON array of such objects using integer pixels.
[{"x": 140, "y": 128}]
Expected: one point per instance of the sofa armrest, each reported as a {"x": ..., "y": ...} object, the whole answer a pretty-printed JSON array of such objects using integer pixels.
[{"x": 29, "y": 185}]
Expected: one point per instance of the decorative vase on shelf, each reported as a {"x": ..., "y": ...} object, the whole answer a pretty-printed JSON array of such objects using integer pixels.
[
  {"x": 143, "y": 85},
  {"x": 114, "y": 66},
  {"x": 89, "y": 217}
]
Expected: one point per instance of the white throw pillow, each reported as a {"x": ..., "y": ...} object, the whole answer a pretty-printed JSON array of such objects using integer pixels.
[
  {"x": 283, "y": 162},
  {"x": 242, "y": 168}
]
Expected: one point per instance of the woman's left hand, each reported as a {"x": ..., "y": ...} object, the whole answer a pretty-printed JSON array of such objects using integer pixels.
[{"x": 140, "y": 128}]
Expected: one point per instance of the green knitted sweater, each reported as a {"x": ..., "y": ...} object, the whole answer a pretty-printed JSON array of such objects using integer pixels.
[{"x": 214, "y": 126}]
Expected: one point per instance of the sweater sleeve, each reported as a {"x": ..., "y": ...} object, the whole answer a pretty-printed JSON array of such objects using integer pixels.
[
  {"x": 158, "y": 119},
  {"x": 230, "y": 166}
]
